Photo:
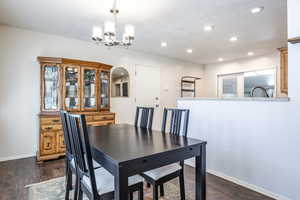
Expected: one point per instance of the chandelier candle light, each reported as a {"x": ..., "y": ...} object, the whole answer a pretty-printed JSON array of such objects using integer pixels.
[{"x": 108, "y": 37}]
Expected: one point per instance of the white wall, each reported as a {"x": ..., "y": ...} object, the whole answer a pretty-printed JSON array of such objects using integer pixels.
[
  {"x": 170, "y": 75},
  {"x": 20, "y": 82},
  {"x": 211, "y": 71},
  {"x": 256, "y": 143}
]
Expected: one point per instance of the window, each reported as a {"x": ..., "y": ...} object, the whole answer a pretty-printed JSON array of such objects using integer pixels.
[
  {"x": 125, "y": 89},
  {"x": 230, "y": 86},
  {"x": 259, "y": 83},
  {"x": 118, "y": 89},
  {"x": 120, "y": 82}
]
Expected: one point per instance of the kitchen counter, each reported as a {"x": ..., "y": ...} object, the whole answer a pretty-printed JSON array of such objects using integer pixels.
[{"x": 235, "y": 99}]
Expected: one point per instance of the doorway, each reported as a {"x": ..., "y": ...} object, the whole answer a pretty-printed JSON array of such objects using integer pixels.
[{"x": 147, "y": 91}]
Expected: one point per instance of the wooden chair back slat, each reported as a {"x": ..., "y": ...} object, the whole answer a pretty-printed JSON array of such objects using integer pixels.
[
  {"x": 145, "y": 114},
  {"x": 69, "y": 152},
  {"x": 81, "y": 145},
  {"x": 176, "y": 121}
]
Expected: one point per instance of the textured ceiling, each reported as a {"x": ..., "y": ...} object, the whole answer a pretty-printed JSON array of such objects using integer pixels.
[{"x": 178, "y": 22}]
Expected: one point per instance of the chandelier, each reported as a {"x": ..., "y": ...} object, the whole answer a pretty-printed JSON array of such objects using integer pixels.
[{"x": 108, "y": 36}]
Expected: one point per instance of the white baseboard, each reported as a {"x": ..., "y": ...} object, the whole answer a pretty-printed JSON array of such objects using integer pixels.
[
  {"x": 17, "y": 157},
  {"x": 242, "y": 183}
]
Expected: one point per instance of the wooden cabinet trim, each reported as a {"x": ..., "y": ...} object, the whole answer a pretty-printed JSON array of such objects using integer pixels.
[
  {"x": 73, "y": 62},
  {"x": 284, "y": 70},
  {"x": 51, "y": 143}
]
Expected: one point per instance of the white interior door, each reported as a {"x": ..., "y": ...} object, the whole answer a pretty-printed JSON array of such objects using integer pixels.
[{"x": 147, "y": 92}]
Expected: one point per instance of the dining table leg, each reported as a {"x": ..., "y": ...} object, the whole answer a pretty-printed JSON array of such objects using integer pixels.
[
  {"x": 201, "y": 174},
  {"x": 121, "y": 184}
]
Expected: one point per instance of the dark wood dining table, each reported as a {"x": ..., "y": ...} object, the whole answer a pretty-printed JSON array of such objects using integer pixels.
[{"x": 125, "y": 150}]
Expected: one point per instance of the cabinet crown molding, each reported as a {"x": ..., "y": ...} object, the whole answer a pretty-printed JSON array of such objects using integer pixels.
[{"x": 59, "y": 60}]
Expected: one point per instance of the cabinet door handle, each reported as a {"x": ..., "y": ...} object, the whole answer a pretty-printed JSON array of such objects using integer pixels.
[
  {"x": 48, "y": 128},
  {"x": 56, "y": 120}
]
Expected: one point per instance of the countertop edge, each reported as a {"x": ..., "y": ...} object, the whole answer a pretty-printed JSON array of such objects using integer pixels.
[{"x": 277, "y": 99}]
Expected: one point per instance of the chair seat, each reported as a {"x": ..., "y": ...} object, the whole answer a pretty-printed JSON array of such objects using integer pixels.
[
  {"x": 95, "y": 164},
  {"x": 105, "y": 181},
  {"x": 158, "y": 173}
]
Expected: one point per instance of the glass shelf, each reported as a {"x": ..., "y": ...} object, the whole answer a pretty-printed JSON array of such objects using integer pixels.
[
  {"x": 89, "y": 87},
  {"x": 71, "y": 85},
  {"x": 51, "y": 78},
  {"x": 104, "y": 93}
]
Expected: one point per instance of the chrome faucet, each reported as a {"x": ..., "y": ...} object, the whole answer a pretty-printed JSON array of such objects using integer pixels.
[{"x": 261, "y": 88}]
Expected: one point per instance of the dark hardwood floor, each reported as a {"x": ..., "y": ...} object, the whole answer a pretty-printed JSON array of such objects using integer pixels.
[{"x": 15, "y": 174}]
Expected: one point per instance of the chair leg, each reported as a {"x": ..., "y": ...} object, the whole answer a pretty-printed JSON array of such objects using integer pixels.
[
  {"x": 131, "y": 195},
  {"x": 71, "y": 180},
  {"x": 68, "y": 182},
  {"x": 181, "y": 182},
  {"x": 141, "y": 193},
  {"x": 80, "y": 193},
  {"x": 155, "y": 192},
  {"x": 162, "y": 191},
  {"x": 76, "y": 188}
]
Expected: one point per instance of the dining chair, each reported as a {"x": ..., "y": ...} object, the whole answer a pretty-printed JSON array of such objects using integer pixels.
[
  {"x": 70, "y": 167},
  {"x": 97, "y": 184},
  {"x": 157, "y": 177},
  {"x": 144, "y": 117},
  {"x": 70, "y": 161}
]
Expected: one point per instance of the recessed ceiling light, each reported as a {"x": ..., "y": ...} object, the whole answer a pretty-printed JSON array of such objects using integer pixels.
[
  {"x": 250, "y": 53},
  {"x": 257, "y": 10},
  {"x": 189, "y": 50},
  {"x": 208, "y": 28},
  {"x": 233, "y": 39},
  {"x": 163, "y": 44},
  {"x": 221, "y": 59}
]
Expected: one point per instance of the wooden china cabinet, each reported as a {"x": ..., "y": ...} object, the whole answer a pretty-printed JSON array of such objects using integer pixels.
[
  {"x": 76, "y": 86},
  {"x": 284, "y": 70}
]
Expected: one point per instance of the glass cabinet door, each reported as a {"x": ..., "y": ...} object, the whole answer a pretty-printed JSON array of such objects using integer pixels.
[
  {"x": 50, "y": 74},
  {"x": 89, "y": 101},
  {"x": 104, "y": 90},
  {"x": 71, "y": 88}
]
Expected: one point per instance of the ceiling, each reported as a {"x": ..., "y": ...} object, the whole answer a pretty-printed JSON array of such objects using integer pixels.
[{"x": 178, "y": 22}]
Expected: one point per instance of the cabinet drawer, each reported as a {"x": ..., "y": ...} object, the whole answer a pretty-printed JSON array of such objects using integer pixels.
[
  {"x": 103, "y": 117},
  {"x": 51, "y": 127},
  {"x": 89, "y": 118},
  {"x": 48, "y": 143},
  {"x": 54, "y": 120},
  {"x": 100, "y": 123}
]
